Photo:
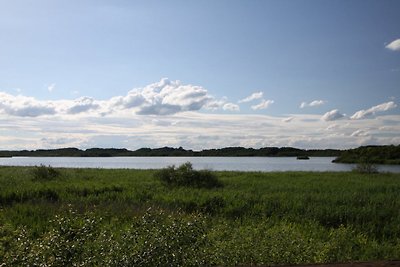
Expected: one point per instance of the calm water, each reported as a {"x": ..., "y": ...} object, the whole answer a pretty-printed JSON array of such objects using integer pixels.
[{"x": 212, "y": 163}]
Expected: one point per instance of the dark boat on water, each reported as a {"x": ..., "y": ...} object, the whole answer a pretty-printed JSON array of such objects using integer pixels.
[{"x": 303, "y": 157}]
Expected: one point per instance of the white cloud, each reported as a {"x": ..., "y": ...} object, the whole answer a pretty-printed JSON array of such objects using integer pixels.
[
  {"x": 253, "y": 96},
  {"x": 80, "y": 122},
  {"x": 361, "y": 114},
  {"x": 394, "y": 45},
  {"x": 164, "y": 98},
  {"x": 194, "y": 130},
  {"x": 51, "y": 87},
  {"x": 314, "y": 103},
  {"x": 332, "y": 115},
  {"x": 25, "y": 106},
  {"x": 358, "y": 133},
  {"x": 231, "y": 107},
  {"x": 263, "y": 104},
  {"x": 289, "y": 119},
  {"x": 215, "y": 104},
  {"x": 332, "y": 127},
  {"x": 82, "y": 104}
]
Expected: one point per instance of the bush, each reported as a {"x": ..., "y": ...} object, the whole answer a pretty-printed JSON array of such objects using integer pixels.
[
  {"x": 184, "y": 175},
  {"x": 45, "y": 173},
  {"x": 365, "y": 167}
]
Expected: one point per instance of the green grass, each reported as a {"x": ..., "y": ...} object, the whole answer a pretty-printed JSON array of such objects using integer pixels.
[{"x": 129, "y": 217}]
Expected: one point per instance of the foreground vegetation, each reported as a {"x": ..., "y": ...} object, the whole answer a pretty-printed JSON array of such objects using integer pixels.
[{"x": 90, "y": 217}]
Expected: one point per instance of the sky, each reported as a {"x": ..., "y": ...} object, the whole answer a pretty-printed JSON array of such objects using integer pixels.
[{"x": 199, "y": 74}]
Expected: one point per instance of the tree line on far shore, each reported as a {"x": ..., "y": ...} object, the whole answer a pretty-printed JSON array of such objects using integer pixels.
[
  {"x": 372, "y": 154},
  {"x": 174, "y": 152}
]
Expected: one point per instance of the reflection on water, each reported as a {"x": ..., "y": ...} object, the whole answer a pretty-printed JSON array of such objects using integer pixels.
[{"x": 211, "y": 163}]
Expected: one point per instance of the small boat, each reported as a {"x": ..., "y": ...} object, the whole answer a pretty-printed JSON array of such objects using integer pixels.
[{"x": 303, "y": 157}]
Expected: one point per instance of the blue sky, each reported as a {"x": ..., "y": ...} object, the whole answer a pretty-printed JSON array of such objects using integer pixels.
[{"x": 321, "y": 74}]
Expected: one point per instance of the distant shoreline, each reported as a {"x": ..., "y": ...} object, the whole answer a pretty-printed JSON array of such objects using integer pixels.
[
  {"x": 388, "y": 155},
  {"x": 175, "y": 152}
]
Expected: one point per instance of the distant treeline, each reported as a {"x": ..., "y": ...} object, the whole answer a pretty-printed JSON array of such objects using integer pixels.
[
  {"x": 175, "y": 152},
  {"x": 371, "y": 154}
]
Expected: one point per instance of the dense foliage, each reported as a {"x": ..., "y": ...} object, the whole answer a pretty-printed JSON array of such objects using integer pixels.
[
  {"x": 371, "y": 155},
  {"x": 185, "y": 175},
  {"x": 45, "y": 173},
  {"x": 89, "y": 217}
]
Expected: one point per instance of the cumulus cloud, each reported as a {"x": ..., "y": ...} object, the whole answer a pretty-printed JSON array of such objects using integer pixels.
[
  {"x": 82, "y": 104},
  {"x": 165, "y": 109},
  {"x": 394, "y": 45},
  {"x": 253, "y": 96},
  {"x": 332, "y": 115},
  {"x": 215, "y": 104},
  {"x": 263, "y": 104},
  {"x": 231, "y": 107},
  {"x": 164, "y": 98},
  {"x": 133, "y": 99},
  {"x": 25, "y": 106},
  {"x": 361, "y": 114},
  {"x": 314, "y": 103}
]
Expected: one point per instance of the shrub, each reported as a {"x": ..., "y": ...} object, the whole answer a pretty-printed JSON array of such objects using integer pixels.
[
  {"x": 45, "y": 173},
  {"x": 365, "y": 166},
  {"x": 184, "y": 175}
]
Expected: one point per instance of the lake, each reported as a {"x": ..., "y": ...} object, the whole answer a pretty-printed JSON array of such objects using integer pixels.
[{"x": 265, "y": 164}]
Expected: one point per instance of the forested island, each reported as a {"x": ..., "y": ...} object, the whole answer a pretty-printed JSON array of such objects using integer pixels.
[{"x": 372, "y": 154}]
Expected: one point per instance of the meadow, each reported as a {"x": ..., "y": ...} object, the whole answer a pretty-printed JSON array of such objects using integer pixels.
[{"x": 110, "y": 217}]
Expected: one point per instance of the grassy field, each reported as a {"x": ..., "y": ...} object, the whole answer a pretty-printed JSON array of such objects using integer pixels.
[{"x": 90, "y": 217}]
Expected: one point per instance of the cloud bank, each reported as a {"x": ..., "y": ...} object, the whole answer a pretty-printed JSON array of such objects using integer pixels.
[
  {"x": 195, "y": 130},
  {"x": 166, "y": 113},
  {"x": 161, "y": 98}
]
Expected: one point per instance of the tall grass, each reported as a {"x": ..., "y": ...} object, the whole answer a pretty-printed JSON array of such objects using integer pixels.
[{"x": 255, "y": 218}]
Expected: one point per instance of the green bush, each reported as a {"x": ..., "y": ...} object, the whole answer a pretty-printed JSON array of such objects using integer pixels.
[
  {"x": 45, "y": 173},
  {"x": 365, "y": 167},
  {"x": 184, "y": 175}
]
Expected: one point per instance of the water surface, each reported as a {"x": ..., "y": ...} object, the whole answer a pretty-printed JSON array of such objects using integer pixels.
[{"x": 265, "y": 164}]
